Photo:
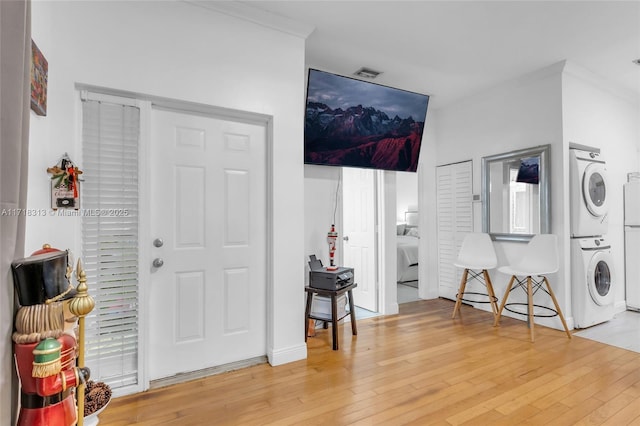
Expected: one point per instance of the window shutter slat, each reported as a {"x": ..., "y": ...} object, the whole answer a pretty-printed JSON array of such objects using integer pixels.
[{"x": 110, "y": 239}]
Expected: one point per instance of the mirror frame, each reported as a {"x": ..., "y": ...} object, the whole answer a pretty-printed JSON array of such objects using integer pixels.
[{"x": 544, "y": 152}]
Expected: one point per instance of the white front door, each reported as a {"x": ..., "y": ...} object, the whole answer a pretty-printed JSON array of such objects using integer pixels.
[
  {"x": 359, "y": 239},
  {"x": 208, "y": 216}
]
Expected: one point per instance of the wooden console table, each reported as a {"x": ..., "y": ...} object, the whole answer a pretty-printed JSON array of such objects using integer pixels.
[{"x": 333, "y": 294}]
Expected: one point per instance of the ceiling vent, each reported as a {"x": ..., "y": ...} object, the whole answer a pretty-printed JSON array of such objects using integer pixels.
[{"x": 367, "y": 73}]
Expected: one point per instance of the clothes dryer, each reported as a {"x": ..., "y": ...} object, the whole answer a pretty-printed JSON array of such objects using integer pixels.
[
  {"x": 589, "y": 194},
  {"x": 593, "y": 281}
]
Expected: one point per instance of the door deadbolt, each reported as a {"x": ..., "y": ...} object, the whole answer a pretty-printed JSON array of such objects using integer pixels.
[{"x": 158, "y": 242}]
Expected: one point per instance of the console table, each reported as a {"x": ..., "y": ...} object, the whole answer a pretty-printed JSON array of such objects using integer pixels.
[{"x": 333, "y": 294}]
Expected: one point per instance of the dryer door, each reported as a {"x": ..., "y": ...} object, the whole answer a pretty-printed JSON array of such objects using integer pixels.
[
  {"x": 594, "y": 189},
  {"x": 600, "y": 278}
]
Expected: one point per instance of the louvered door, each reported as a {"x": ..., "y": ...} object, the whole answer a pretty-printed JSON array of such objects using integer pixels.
[{"x": 455, "y": 219}]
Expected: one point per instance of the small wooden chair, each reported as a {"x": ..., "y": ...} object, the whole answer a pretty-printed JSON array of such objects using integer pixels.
[
  {"x": 539, "y": 259},
  {"x": 476, "y": 256}
]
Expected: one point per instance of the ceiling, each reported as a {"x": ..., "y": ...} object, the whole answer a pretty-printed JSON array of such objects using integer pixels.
[{"x": 452, "y": 49}]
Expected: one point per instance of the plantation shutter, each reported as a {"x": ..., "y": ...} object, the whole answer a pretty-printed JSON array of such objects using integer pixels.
[{"x": 110, "y": 133}]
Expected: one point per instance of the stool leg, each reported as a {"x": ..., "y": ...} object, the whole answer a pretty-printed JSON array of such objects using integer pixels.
[
  {"x": 496, "y": 321},
  {"x": 555, "y": 302},
  {"x": 463, "y": 284},
  {"x": 492, "y": 294},
  {"x": 530, "y": 307},
  {"x": 307, "y": 311},
  {"x": 311, "y": 331},
  {"x": 352, "y": 314},
  {"x": 334, "y": 321}
]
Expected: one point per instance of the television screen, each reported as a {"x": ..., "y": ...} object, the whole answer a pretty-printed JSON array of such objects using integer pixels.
[
  {"x": 355, "y": 123},
  {"x": 528, "y": 171}
]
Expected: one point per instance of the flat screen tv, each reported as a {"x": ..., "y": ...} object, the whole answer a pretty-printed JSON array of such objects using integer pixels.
[
  {"x": 354, "y": 123},
  {"x": 528, "y": 171}
]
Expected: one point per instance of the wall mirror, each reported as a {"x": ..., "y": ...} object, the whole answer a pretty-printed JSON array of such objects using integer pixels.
[{"x": 515, "y": 194}]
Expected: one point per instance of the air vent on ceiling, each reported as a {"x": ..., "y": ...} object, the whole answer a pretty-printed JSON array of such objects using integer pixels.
[{"x": 367, "y": 73}]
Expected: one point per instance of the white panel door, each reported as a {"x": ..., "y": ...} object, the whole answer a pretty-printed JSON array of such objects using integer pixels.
[
  {"x": 208, "y": 205},
  {"x": 359, "y": 240},
  {"x": 455, "y": 220}
]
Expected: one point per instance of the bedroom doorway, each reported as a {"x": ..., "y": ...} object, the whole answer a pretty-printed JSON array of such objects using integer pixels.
[
  {"x": 408, "y": 235},
  {"x": 369, "y": 203}
]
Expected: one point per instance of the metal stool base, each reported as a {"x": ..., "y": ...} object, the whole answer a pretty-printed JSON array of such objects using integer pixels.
[
  {"x": 489, "y": 298},
  {"x": 553, "y": 312}
]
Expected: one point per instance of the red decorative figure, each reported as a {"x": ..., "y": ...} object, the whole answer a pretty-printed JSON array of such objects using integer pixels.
[
  {"x": 45, "y": 353},
  {"x": 332, "y": 236}
]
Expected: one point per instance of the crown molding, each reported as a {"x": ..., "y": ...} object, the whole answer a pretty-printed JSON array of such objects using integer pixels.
[
  {"x": 258, "y": 16},
  {"x": 586, "y": 75}
]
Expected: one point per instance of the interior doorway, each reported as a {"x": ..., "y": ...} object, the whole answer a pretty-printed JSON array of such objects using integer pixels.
[
  {"x": 368, "y": 195},
  {"x": 407, "y": 234}
]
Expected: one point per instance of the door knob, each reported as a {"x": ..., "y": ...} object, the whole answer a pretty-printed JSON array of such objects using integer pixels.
[
  {"x": 345, "y": 238},
  {"x": 158, "y": 262}
]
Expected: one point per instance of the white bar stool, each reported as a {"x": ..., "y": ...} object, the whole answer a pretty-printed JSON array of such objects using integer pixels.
[
  {"x": 476, "y": 256},
  {"x": 539, "y": 259}
]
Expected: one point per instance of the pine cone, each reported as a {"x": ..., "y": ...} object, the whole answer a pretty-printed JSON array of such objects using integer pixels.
[{"x": 96, "y": 396}]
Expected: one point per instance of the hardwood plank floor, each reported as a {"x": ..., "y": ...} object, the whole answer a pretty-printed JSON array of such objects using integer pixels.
[{"x": 419, "y": 367}]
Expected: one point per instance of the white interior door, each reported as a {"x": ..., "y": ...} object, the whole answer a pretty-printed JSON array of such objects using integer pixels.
[
  {"x": 455, "y": 220},
  {"x": 359, "y": 239},
  {"x": 208, "y": 205}
]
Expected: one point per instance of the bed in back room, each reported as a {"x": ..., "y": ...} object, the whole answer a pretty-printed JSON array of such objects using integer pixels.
[{"x": 407, "y": 246}]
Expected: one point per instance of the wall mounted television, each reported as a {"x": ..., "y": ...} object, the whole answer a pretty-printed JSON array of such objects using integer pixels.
[
  {"x": 354, "y": 123},
  {"x": 529, "y": 170}
]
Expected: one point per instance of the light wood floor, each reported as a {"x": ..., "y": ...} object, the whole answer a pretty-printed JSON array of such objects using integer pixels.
[{"x": 420, "y": 367}]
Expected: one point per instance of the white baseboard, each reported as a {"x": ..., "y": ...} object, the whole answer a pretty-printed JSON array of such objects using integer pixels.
[
  {"x": 287, "y": 355},
  {"x": 391, "y": 309}
]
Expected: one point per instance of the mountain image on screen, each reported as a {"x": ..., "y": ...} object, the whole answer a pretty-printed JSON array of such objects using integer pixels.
[{"x": 344, "y": 132}]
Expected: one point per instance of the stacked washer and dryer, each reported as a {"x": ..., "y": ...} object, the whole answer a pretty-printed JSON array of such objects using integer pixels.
[{"x": 592, "y": 272}]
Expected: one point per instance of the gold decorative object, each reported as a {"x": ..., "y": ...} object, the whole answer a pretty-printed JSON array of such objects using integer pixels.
[{"x": 81, "y": 305}]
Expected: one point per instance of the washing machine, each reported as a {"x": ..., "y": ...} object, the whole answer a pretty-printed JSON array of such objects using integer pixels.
[
  {"x": 593, "y": 281},
  {"x": 589, "y": 194}
]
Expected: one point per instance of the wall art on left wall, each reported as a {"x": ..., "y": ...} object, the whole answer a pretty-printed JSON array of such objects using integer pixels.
[{"x": 39, "y": 74}]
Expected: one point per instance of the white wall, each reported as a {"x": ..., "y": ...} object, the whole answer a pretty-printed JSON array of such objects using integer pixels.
[
  {"x": 515, "y": 115},
  {"x": 597, "y": 115},
  {"x": 180, "y": 51},
  {"x": 428, "y": 250},
  {"x": 320, "y": 186},
  {"x": 388, "y": 241}
]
